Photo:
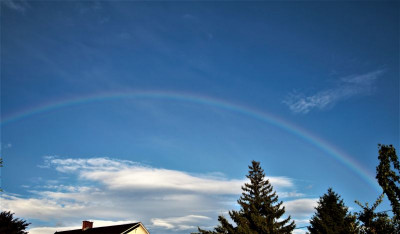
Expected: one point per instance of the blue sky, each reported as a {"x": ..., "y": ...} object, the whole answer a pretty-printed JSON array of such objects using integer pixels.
[{"x": 154, "y": 109}]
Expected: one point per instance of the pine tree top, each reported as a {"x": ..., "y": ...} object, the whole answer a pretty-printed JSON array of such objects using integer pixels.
[
  {"x": 260, "y": 211},
  {"x": 332, "y": 216}
]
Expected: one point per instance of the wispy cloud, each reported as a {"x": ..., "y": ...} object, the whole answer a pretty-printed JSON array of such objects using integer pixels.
[
  {"x": 180, "y": 223},
  {"x": 5, "y": 146},
  {"x": 18, "y": 5},
  {"x": 110, "y": 189},
  {"x": 347, "y": 87}
]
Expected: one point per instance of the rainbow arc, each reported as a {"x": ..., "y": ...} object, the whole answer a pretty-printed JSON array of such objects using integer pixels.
[{"x": 209, "y": 101}]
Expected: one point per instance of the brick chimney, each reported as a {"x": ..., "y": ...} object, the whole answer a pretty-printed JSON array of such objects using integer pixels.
[{"x": 86, "y": 225}]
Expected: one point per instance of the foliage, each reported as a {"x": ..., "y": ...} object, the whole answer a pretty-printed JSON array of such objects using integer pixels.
[
  {"x": 332, "y": 216},
  {"x": 374, "y": 222},
  {"x": 11, "y": 225},
  {"x": 388, "y": 176},
  {"x": 260, "y": 209}
]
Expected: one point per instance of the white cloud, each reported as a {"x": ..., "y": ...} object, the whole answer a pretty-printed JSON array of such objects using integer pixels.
[
  {"x": 299, "y": 231},
  {"x": 301, "y": 207},
  {"x": 142, "y": 178},
  {"x": 348, "y": 87},
  {"x": 50, "y": 230},
  {"x": 291, "y": 194},
  {"x": 126, "y": 175},
  {"x": 180, "y": 223},
  {"x": 111, "y": 189},
  {"x": 301, "y": 210}
]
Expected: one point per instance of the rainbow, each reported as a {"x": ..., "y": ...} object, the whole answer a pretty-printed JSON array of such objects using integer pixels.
[{"x": 209, "y": 101}]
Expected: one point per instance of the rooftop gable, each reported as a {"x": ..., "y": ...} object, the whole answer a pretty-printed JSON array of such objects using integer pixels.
[{"x": 116, "y": 229}]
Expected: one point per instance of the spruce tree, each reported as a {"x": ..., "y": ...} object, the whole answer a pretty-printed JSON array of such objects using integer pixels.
[
  {"x": 260, "y": 209},
  {"x": 332, "y": 216}
]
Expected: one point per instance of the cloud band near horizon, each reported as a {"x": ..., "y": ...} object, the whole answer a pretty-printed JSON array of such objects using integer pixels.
[{"x": 106, "y": 189}]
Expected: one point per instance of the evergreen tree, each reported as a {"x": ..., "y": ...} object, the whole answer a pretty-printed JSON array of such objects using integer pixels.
[
  {"x": 372, "y": 222},
  {"x": 260, "y": 210},
  {"x": 11, "y": 225},
  {"x": 332, "y": 216},
  {"x": 388, "y": 177}
]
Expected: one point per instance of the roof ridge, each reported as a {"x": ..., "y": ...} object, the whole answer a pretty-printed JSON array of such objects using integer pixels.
[{"x": 128, "y": 226}]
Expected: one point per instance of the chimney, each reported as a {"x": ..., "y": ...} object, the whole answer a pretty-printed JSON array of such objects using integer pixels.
[{"x": 86, "y": 225}]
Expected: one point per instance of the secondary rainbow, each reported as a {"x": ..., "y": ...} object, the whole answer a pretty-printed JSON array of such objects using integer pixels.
[{"x": 209, "y": 101}]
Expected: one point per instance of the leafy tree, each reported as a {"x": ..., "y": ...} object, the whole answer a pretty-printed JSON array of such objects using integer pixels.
[
  {"x": 11, "y": 225},
  {"x": 388, "y": 176},
  {"x": 332, "y": 216},
  {"x": 260, "y": 210},
  {"x": 373, "y": 223}
]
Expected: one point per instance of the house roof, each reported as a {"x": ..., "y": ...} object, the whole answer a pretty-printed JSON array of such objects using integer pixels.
[{"x": 116, "y": 229}]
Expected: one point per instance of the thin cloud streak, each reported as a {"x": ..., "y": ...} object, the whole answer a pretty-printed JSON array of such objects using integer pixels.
[
  {"x": 20, "y": 5},
  {"x": 348, "y": 87},
  {"x": 180, "y": 223}
]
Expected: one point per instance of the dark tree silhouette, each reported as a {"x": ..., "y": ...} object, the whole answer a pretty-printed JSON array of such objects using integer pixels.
[
  {"x": 11, "y": 225},
  {"x": 260, "y": 210},
  {"x": 332, "y": 216},
  {"x": 373, "y": 222},
  {"x": 387, "y": 173}
]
